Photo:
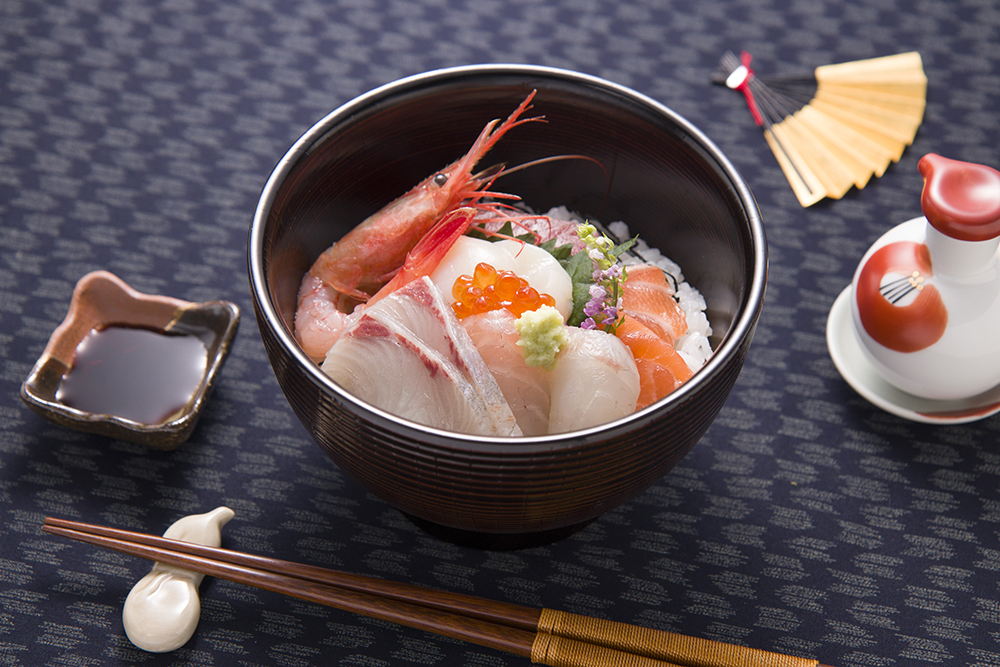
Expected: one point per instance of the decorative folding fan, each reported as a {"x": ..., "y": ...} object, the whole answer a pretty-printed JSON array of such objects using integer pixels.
[{"x": 839, "y": 127}]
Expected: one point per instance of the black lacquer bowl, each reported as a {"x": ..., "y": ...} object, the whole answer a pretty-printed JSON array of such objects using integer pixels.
[{"x": 660, "y": 174}]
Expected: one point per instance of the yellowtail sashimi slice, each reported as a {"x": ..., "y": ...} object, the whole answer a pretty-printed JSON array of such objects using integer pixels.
[
  {"x": 409, "y": 355},
  {"x": 420, "y": 308}
]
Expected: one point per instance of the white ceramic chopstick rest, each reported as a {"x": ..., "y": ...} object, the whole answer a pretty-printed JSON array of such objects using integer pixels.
[{"x": 162, "y": 610}]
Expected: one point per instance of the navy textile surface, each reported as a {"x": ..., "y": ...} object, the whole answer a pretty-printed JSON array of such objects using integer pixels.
[{"x": 136, "y": 136}]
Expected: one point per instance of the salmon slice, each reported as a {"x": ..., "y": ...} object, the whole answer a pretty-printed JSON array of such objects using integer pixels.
[
  {"x": 661, "y": 369},
  {"x": 648, "y": 297}
]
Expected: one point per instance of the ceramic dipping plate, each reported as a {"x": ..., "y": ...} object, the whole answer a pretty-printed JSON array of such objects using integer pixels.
[{"x": 101, "y": 299}]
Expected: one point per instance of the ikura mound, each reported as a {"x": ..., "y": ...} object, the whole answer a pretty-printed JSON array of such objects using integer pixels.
[{"x": 464, "y": 478}]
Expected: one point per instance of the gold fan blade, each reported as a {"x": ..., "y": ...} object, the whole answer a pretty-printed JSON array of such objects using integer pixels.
[
  {"x": 834, "y": 135},
  {"x": 898, "y": 124},
  {"x": 886, "y": 68},
  {"x": 834, "y": 176},
  {"x": 873, "y": 131},
  {"x": 903, "y": 104},
  {"x": 874, "y": 102},
  {"x": 873, "y": 155},
  {"x": 807, "y": 188},
  {"x": 891, "y": 92}
]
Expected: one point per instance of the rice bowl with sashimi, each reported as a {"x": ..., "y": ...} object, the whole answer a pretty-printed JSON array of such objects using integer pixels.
[
  {"x": 447, "y": 358},
  {"x": 387, "y": 310},
  {"x": 660, "y": 175}
]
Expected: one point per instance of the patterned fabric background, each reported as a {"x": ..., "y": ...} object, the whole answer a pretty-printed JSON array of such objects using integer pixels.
[{"x": 136, "y": 136}]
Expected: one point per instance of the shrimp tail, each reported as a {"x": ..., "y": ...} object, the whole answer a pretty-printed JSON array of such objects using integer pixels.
[
  {"x": 429, "y": 251},
  {"x": 321, "y": 316}
]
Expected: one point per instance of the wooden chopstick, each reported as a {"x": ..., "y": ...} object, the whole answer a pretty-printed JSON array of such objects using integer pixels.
[
  {"x": 546, "y": 636},
  {"x": 540, "y": 647},
  {"x": 416, "y": 616},
  {"x": 513, "y": 615}
]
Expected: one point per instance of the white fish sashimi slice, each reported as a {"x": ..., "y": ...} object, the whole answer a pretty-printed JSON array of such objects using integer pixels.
[
  {"x": 525, "y": 387},
  {"x": 397, "y": 373},
  {"x": 595, "y": 381},
  {"x": 420, "y": 309},
  {"x": 409, "y": 355}
]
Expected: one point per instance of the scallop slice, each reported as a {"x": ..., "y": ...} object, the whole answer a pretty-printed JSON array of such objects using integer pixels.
[
  {"x": 595, "y": 380},
  {"x": 539, "y": 268},
  {"x": 162, "y": 610},
  {"x": 409, "y": 356}
]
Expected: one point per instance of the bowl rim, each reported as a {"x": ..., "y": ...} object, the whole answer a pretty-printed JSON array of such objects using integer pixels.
[{"x": 741, "y": 328}]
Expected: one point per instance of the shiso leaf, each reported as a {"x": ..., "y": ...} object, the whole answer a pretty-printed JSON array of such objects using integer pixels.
[
  {"x": 560, "y": 253},
  {"x": 580, "y": 268}
]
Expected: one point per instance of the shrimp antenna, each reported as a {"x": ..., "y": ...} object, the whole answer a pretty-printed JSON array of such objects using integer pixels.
[
  {"x": 492, "y": 133},
  {"x": 554, "y": 158},
  {"x": 551, "y": 158}
]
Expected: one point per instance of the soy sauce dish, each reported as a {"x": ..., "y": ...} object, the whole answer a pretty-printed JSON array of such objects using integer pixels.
[
  {"x": 131, "y": 366},
  {"x": 658, "y": 173}
]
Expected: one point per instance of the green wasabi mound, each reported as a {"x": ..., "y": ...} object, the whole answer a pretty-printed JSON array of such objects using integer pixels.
[{"x": 542, "y": 335}]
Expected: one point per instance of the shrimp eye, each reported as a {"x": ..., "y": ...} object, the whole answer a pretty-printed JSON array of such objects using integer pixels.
[{"x": 440, "y": 179}]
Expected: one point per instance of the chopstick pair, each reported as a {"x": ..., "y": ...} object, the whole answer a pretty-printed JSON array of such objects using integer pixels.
[{"x": 558, "y": 639}]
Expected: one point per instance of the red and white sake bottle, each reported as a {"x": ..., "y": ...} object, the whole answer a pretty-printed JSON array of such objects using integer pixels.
[{"x": 925, "y": 299}]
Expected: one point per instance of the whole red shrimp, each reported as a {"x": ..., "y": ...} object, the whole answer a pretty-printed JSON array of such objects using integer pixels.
[{"x": 356, "y": 268}]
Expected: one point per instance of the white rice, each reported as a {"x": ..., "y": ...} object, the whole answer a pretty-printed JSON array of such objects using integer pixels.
[{"x": 693, "y": 346}]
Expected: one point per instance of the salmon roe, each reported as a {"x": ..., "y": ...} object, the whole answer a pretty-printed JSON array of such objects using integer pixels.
[{"x": 488, "y": 289}]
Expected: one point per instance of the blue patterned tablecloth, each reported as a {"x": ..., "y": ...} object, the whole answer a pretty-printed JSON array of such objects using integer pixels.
[{"x": 136, "y": 136}]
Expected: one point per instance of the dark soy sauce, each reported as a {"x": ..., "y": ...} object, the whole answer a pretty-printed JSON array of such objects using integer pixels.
[{"x": 144, "y": 375}]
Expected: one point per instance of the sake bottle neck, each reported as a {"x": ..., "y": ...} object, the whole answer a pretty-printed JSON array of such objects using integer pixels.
[{"x": 956, "y": 258}]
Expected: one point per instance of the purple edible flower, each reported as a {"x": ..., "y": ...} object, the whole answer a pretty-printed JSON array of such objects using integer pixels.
[{"x": 605, "y": 301}]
